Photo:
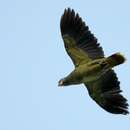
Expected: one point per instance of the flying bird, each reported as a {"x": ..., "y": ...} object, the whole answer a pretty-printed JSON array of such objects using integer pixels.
[{"x": 92, "y": 68}]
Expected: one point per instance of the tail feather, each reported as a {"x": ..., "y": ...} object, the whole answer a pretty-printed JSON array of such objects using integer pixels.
[{"x": 116, "y": 59}]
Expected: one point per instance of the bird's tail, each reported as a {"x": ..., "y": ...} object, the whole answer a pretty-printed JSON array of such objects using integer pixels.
[{"x": 115, "y": 59}]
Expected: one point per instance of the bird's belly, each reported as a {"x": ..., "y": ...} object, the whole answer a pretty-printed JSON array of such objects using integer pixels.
[{"x": 91, "y": 74}]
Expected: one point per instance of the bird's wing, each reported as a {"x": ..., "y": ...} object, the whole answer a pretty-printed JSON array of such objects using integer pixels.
[
  {"x": 80, "y": 43},
  {"x": 106, "y": 92}
]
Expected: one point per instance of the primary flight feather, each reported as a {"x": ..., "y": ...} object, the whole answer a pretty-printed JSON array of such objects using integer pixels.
[{"x": 92, "y": 68}]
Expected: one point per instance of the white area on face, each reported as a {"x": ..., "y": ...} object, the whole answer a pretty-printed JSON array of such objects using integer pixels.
[{"x": 60, "y": 83}]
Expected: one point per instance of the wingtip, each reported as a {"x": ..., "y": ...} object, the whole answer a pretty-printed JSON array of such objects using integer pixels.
[{"x": 69, "y": 10}]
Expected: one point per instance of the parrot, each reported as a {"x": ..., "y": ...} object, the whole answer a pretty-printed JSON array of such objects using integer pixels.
[{"x": 91, "y": 67}]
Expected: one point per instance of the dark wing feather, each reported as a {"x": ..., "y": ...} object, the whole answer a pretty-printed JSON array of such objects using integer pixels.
[
  {"x": 106, "y": 92},
  {"x": 73, "y": 27}
]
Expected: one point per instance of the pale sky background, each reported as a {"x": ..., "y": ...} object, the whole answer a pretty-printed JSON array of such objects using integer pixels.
[{"x": 33, "y": 59}]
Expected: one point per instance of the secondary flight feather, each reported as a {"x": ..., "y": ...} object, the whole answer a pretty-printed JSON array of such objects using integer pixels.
[{"x": 92, "y": 68}]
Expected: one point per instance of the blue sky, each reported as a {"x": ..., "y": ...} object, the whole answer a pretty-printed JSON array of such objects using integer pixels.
[{"x": 33, "y": 59}]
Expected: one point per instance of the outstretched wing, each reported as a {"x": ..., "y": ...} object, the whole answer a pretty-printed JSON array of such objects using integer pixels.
[
  {"x": 80, "y": 43},
  {"x": 106, "y": 92}
]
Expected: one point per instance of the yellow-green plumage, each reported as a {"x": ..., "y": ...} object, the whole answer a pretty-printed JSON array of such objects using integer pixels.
[{"x": 91, "y": 67}]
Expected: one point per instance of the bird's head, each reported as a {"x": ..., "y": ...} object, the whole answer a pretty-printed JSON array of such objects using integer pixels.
[{"x": 62, "y": 82}]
